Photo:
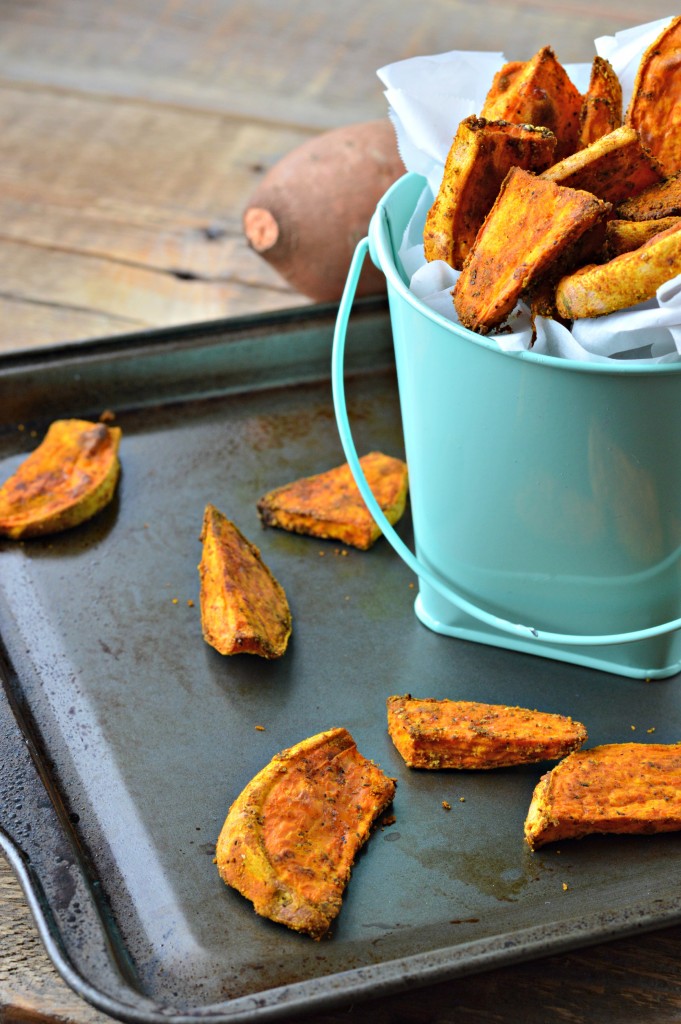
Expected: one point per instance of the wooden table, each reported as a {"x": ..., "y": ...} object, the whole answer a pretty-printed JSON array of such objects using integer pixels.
[{"x": 133, "y": 134}]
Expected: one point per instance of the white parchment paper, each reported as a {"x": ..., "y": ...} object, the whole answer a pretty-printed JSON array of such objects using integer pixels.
[{"x": 427, "y": 99}]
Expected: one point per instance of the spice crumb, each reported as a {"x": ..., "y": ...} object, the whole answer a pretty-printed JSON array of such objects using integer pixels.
[
  {"x": 565, "y": 887},
  {"x": 260, "y": 728},
  {"x": 447, "y": 806},
  {"x": 176, "y": 600},
  {"x": 633, "y": 728},
  {"x": 652, "y": 729},
  {"x": 462, "y": 799},
  {"x": 190, "y": 603}
]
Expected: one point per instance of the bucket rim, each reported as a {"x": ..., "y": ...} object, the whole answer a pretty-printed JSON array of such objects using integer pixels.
[{"x": 381, "y": 248}]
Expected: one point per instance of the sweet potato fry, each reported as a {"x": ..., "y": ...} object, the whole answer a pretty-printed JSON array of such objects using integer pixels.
[
  {"x": 290, "y": 838},
  {"x": 615, "y": 788},
  {"x": 626, "y": 235},
  {"x": 654, "y": 203},
  {"x": 329, "y": 504},
  {"x": 539, "y": 93},
  {"x": 655, "y": 106},
  {"x": 613, "y": 168},
  {"x": 601, "y": 111},
  {"x": 67, "y": 479},
  {"x": 633, "y": 277},
  {"x": 532, "y": 225},
  {"x": 244, "y": 609},
  {"x": 479, "y": 159},
  {"x": 501, "y": 83},
  {"x": 433, "y": 733}
]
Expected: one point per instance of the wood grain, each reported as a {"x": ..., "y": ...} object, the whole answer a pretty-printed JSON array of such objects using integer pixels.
[{"x": 134, "y": 133}]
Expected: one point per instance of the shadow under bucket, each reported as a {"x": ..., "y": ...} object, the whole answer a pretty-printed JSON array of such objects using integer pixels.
[{"x": 545, "y": 492}]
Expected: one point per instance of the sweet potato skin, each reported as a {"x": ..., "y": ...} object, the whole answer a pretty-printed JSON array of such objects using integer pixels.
[
  {"x": 329, "y": 505},
  {"x": 66, "y": 480},
  {"x": 626, "y": 235},
  {"x": 601, "y": 110},
  {"x": 655, "y": 106},
  {"x": 434, "y": 734},
  {"x": 633, "y": 277},
  {"x": 479, "y": 158},
  {"x": 244, "y": 610},
  {"x": 654, "y": 203},
  {"x": 313, "y": 206},
  {"x": 615, "y": 788},
  {"x": 532, "y": 225},
  {"x": 539, "y": 93},
  {"x": 290, "y": 838},
  {"x": 614, "y": 167}
]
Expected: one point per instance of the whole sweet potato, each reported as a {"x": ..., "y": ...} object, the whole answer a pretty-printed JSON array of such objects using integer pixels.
[{"x": 310, "y": 210}]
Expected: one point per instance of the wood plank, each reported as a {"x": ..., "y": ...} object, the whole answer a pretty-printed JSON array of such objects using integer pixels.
[
  {"x": 299, "y": 64},
  {"x": 129, "y": 216}
]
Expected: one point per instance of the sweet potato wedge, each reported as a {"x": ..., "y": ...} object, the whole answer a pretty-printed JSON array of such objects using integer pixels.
[
  {"x": 655, "y": 202},
  {"x": 626, "y": 235},
  {"x": 633, "y": 277},
  {"x": 532, "y": 225},
  {"x": 613, "y": 168},
  {"x": 615, "y": 788},
  {"x": 329, "y": 504},
  {"x": 501, "y": 83},
  {"x": 244, "y": 610},
  {"x": 433, "y": 733},
  {"x": 290, "y": 838},
  {"x": 601, "y": 110},
  {"x": 655, "y": 106},
  {"x": 478, "y": 160},
  {"x": 538, "y": 93},
  {"x": 67, "y": 479}
]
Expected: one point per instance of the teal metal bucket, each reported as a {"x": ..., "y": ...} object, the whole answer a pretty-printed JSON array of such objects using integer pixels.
[{"x": 545, "y": 492}]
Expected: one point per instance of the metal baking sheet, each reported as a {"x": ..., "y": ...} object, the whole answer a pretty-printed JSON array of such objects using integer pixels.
[{"x": 124, "y": 737}]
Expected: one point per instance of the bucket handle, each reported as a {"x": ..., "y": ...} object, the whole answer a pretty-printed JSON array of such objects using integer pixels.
[{"x": 443, "y": 588}]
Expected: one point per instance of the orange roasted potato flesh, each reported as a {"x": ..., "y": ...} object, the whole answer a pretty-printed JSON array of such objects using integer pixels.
[
  {"x": 477, "y": 163},
  {"x": 244, "y": 610},
  {"x": 66, "y": 480},
  {"x": 533, "y": 224},
  {"x": 329, "y": 504},
  {"x": 654, "y": 203},
  {"x": 614, "y": 788},
  {"x": 613, "y": 168},
  {"x": 599, "y": 289},
  {"x": 655, "y": 106},
  {"x": 601, "y": 111},
  {"x": 290, "y": 838},
  {"x": 540, "y": 93},
  {"x": 497, "y": 93},
  {"x": 627, "y": 235},
  {"x": 432, "y": 733}
]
